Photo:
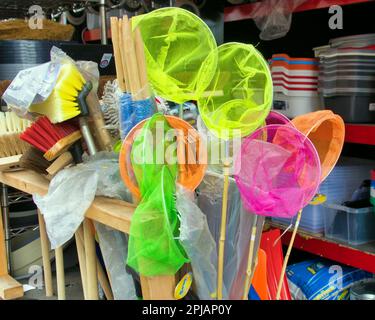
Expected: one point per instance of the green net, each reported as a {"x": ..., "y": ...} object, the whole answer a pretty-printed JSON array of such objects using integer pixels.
[
  {"x": 239, "y": 97},
  {"x": 177, "y": 48},
  {"x": 153, "y": 248}
]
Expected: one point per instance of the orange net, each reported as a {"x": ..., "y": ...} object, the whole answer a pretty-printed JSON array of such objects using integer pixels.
[{"x": 326, "y": 130}]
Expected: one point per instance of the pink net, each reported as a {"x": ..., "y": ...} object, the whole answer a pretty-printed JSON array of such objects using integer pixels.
[
  {"x": 277, "y": 171},
  {"x": 277, "y": 118}
]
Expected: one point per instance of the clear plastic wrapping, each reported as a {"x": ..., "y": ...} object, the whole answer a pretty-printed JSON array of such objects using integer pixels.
[
  {"x": 239, "y": 224},
  {"x": 114, "y": 247},
  {"x": 198, "y": 243},
  {"x": 274, "y": 17},
  {"x": 72, "y": 191}
]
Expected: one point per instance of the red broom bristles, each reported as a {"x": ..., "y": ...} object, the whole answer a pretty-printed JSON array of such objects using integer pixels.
[{"x": 43, "y": 135}]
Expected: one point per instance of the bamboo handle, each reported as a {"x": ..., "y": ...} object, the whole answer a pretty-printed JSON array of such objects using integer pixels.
[
  {"x": 223, "y": 232},
  {"x": 47, "y": 272},
  {"x": 90, "y": 253},
  {"x": 281, "y": 279},
  {"x": 117, "y": 54},
  {"x": 60, "y": 273},
  {"x": 81, "y": 259},
  {"x": 250, "y": 269}
]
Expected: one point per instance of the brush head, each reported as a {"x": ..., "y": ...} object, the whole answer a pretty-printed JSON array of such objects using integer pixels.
[
  {"x": 33, "y": 159},
  {"x": 11, "y": 126},
  {"x": 63, "y": 102},
  {"x": 52, "y": 139}
]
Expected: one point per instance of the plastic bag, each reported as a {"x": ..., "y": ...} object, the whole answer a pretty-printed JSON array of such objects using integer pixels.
[
  {"x": 198, "y": 243},
  {"x": 73, "y": 190},
  {"x": 239, "y": 223},
  {"x": 274, "y": 17},
  {"x": 114, "y": 248},
  {"x": 106, "y": 165},
  {"x": 70, "y": 194}
]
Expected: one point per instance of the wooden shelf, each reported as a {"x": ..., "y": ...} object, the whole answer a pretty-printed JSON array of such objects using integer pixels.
[{"x": 246, "y": 11}]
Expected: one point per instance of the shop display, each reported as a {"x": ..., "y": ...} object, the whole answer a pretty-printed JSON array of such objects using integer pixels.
[{"x": 176, "y": 168}]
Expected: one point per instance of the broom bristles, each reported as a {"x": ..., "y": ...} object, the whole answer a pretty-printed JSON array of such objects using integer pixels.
[
  {"x": 11, "y": 127},
  {"x": 43, "y": 135},
  {"x": 33, "y": 159},
  {"x": 62, "y": 104}
]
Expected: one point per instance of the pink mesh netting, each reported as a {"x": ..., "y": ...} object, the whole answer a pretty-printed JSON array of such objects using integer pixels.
[
  {"x": 275, "y": 117},
  {"x": 277, "y": 171}
]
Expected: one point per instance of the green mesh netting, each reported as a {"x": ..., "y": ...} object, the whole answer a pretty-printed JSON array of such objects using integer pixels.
[
  {"x": 240, "y": 94},
  {"x": 177, "y": 48},
  {"x": 153, "y": 248}
]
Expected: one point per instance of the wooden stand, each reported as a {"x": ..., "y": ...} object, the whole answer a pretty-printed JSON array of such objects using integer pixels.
[
  {"x": 113, "y": 213},
  {"x": 45, "y": 256},
  {"x": 60, "y": 273},
  {"x": 9, "y": 288}
]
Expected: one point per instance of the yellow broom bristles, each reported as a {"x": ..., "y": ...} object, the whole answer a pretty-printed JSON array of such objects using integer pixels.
[{"x": 62, "y": 104}]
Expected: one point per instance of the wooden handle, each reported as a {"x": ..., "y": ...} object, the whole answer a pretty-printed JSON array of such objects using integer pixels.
[
  {"x": 90, "y": 252},
  {"x": 60, "y": 163},
  {"x": 125, "y": 70},
  {"x": 60, "y": 273},
  {"x": 131, "y": 59},
  {"x": 102, "y": 134},
  {"x": 81, "y": 259},
  {"x": 103, "y": 280},
  {"x": 44, "y": 242},
  {"x": 222, "y": 233},
  {"x": 141, "y": 62},
  {"x": 101, "y": 274},
  {"x": 117, "y": 54},
  {"x": 282, "y": 274}
]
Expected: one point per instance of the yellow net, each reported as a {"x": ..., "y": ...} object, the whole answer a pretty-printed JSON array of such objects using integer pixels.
[
  {"x": 239, "y": 97},
  {"x": 177, "y": 49}
]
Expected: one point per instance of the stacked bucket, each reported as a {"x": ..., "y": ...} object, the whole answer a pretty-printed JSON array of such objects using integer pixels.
[
  {"x": 347, "y": 77},
  {"x": 295, "y": 85}
]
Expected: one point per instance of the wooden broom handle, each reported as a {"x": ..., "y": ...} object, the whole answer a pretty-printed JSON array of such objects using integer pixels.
[
  {"x": 102, "y": 134},
  {"x": 282, "y": 274},
  {"x": 125, "y": 70},
  {"x": 141, "y": 62},
  {"x": 117, "y": 53},
  {"x": 131, "y": 59}
]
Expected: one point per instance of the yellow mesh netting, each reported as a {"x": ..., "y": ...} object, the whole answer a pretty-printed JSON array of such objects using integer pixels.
[
  {"x": 240, "y": 94},
  {"x": 177, "y": 48}
]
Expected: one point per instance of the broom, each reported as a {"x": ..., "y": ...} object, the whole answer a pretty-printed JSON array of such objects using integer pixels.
[
  {"x": 52, "y": 139},
  {"x": 125, "y": 103},
  {"x": 71, "y": 97}
]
